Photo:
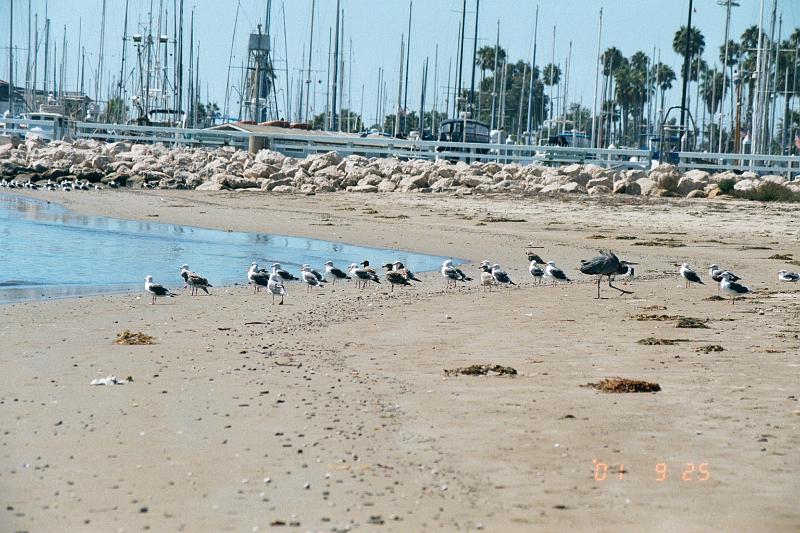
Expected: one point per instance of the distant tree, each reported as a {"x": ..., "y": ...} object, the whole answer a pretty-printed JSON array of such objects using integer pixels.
[
  {"x": 697, "y": 43},
  {"x": 551, "y": 75},
  {"x": 116, "y": 111},
  {"x": 485, "y": 58}
]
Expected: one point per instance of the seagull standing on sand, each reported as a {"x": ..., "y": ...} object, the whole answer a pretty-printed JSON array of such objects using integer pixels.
[
  {"x": 715, "y": 272},
  {"x": 452, "y": 274},
  {"x": 500, "y": 276},
  {"x": 689, "y": 275},
  {"x": 487, "y": 279},
  {"x": 363, "y": 276},
  {"x": 284, "y": 274},
  {"x": 157, "y": 291},
  {"x": 194, "y": 280},
  {"x": 400, "y": 267},
  {"x": 785, "y": 275},
  {"x": 316, "y": 273},
  {"x": 394, "y": 277},
  {"x": 275, "y": 286},
  {"x": 259, "y": 278},
  {"x": 554, "y": 273},
  {"x": 309, "y": 278},
  {"x": 533, "y": 267},
  {"x": 335, "y": 272},
  {"x": 732, "y": 288}
]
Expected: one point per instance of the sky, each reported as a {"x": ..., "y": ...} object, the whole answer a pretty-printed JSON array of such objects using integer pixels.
[{"x": 375, "y": 27}]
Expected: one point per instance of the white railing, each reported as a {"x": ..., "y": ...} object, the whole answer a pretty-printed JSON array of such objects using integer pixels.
[{"x": 787, "y": 165}]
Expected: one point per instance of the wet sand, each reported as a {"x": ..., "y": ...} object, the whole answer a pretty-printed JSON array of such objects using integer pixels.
[{"x": 333, "y": 411}]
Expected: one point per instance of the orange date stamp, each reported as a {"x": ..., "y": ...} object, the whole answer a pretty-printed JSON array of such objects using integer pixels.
[{"x": 689, "y": 472}]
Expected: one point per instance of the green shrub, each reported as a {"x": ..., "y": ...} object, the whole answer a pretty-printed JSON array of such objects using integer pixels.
[{"x": 726, "y": 185}]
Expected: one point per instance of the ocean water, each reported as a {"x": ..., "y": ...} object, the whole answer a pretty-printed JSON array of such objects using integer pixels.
[{"x": 47, "y": 251}]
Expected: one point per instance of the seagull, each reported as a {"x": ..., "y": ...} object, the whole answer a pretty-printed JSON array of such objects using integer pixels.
[
  {"x": 690, "y": 275},
  {"x": 627, "y": 272},
  {"x": 453, "y": 274},
  {"x": 487, "y": 280},
  {"x": 732, "y": 288},
  {"x": 716, "y": 273},
  {"x": 259, "y": 278},
  {"x": 157, "y": 291},
  {"x": 535, "y": 259},
  {"x": 785, "y": 275},
  {"x": 316, "y": 273},
  {"x": 400, "y": 267},
  {"x": 605, "y": 264},
  {"x": 364, "y": 276},
  {"x": 368, "y": 268},
  {"x": 554, "y": 273},
  {"x": 535, "y": 271},
  {"x": 500, "y": 276},
  {"x": 309, "y": 278},
  {"x": 285, "y": 275},
  {"x": 194, "y": 280},
  {"x": 394, "y": 277},
  {"x": 335, "y": 272},
  {"x": 275, "y": 286}
]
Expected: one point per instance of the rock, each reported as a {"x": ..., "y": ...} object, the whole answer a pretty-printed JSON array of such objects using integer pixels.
[
  {"x": 317, "y": 162},
  {"x": 551, "y": 188},
  {"x": 604, "y": 181},
  {"x": 283, "y": 189},
  {"x": 646, "y": 186},
  {"x": 210, "y": 186},
  {"x": 666, "y": 176},
  {"x": 745, "y": 185},
  {"x": 573, "y": 187},
  {"x": 362, "y": 188},
  {"x": 687, "y": 184},
  {"x": 697, "y": 193},
  {"x": 599, "y": 189},
  {"x": 713, "y": 193},
  {"x": 780, "y": 180},
  {"x": 620, "y": 187},
  {"x": 413, "y": 182},
  {"x": 274, "y": 184},
  {"x": 387, "y": 186}
]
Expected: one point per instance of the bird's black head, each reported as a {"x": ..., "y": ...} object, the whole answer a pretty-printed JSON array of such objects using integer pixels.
[
  {"x": 365, "y": 263},
  {"x": 388, "y": 266}
]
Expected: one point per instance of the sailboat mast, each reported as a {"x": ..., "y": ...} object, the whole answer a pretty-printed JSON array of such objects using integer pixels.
[
  {"x": 460, "y": 57},
  {"x": 310, "y": 50},
  {"x": 399, "y": 87},
  {"x": 99, "y": 79},
  {"x": 120, "y": 83},
  {"x": 11, "y": 60},
  {"x": 333, "y": 124},
  {"x": 474, "y": 56},
  {"x": 408, "y": 57},
  {"x": 596, "y": 81},
  {"x": 494, "y": 72},
  {"x": 529, "y": 122}
]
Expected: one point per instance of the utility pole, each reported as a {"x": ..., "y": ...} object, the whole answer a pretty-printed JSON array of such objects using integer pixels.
[
  {"x": 529, "y": 124},
  {"x": 686, "y": 67},
  {"x": 596, "y": 81}
]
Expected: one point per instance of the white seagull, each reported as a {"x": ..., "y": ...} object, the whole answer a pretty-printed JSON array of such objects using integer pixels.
[
  {"x": 335, "y": 272},
  {"x": 275, "y": 286},
  {"x": 284, "y": 274},
  {"x": 453, "y": 274},
  {"x": 785, "y": 275},
  {"x": 535, "y": 270},
  {"x": 487, "y": 279},
  {"x": 363, "y": 276},
  {"x": 259, "y": 278},
  {"x": 715, "y": 272},
  {"x": 157, "y": 291},
  {"x": 732, "y": 288},
  {"x": 309, "y": 278},
  {"x": 689, "y": 275},
  {"x": 500, "y": 276},
  {"x": 554, "y": 273}
]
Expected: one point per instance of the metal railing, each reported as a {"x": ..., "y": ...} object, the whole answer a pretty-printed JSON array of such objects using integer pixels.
[
  {"x": 787, "y": 165},
  {"x": 301, "y": 144}
]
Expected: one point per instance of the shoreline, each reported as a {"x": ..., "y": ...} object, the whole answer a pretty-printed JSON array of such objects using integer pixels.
[{"x": 334, "y": 410}]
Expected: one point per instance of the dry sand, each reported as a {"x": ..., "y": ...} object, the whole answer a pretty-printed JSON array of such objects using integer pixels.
[{"x": 332, "y": 412}]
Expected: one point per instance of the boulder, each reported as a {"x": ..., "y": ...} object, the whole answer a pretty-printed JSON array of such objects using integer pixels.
[
  {"x": 746, "y": 185},
  {"x": 599, "y": 189},
  {"x": 604, "y": 181},
  {"x": 780, "y": 180},
  {"x": 697, "y": 193},
  {"x": 713, "y": 193},
  {"x": 666, "y": 176},
  {"x": 413, "y": 182},
  {"x": 646, "y": 186},
  {"x": 363, "y": 188},
  {"x": 387, "y": 186},
  {"x": 283, "y": 189},
  {"x": 687, "y": 184},
  {"x": 573, "y": 188},
  {"x": 210, "y": 186}
]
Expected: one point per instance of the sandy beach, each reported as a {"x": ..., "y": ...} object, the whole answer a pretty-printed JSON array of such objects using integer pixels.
[{"x": 333, "y": 412}]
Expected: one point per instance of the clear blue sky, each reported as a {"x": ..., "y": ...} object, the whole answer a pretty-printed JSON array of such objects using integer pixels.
[{"x": 375, "y": 27}]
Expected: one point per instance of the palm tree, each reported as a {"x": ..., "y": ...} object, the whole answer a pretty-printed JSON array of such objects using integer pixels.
[
  {"x": 697, "y": 43},
  {"x": 551, "y": 74},
  {"x": 484, "y": 59},
  {"x": 613, "y": 60}
]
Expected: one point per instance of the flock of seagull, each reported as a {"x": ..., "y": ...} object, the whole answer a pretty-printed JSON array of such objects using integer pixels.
[
  {"x": 64, "y": 185},
  {"x": 491, "y": 274}
]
